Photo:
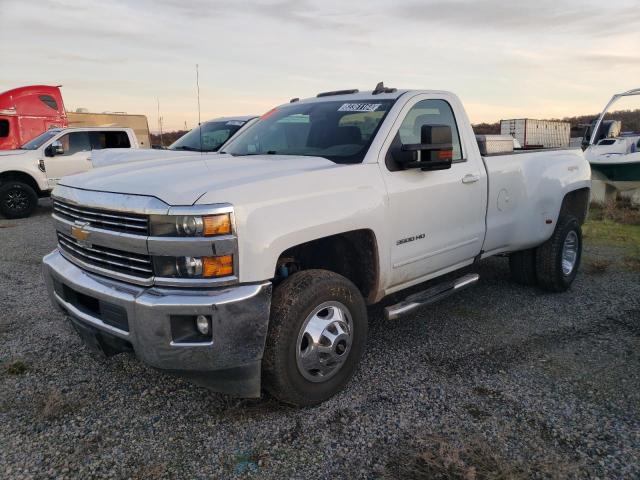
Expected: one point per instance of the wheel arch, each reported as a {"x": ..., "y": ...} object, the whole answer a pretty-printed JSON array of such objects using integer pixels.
[
  {"x": 576, "y": 203},
  {"x": 352, "y": 254},
  {"x": 17, "y": 175}
]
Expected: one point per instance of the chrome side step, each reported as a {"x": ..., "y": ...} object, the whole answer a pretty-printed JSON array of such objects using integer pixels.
[{"x": 429, "y": 296}]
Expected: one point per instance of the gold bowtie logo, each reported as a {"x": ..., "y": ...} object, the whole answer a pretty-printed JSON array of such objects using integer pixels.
[{"x": 79, "y": 233}]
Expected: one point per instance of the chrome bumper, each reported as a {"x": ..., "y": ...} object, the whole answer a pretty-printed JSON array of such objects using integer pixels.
[{"x": 230, "y": 363}]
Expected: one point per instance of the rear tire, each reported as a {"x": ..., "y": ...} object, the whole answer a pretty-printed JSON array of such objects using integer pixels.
[
  {"x": 523, "y": 267},
  {"x": 317, "y": 334},
  {"x": 17, "y": 199},
  {"x": 558, "y": 259}
]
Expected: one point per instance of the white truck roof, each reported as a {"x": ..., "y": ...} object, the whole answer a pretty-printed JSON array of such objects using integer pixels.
[{"x": 350, "y": 95}]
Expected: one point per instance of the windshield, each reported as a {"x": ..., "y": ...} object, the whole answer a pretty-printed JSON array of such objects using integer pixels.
[
  {"x": 40, "y": 139},
  {"x": 214, "y": 134},
  {"x": 336, "y": 130}
]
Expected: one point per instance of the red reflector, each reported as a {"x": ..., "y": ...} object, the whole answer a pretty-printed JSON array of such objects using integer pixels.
[
  {"x": 445, "y": 154},
  {"x": 269, "y": 113}
]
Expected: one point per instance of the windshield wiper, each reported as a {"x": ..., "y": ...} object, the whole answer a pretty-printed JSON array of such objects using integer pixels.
[{"x": 187, "y": 148}]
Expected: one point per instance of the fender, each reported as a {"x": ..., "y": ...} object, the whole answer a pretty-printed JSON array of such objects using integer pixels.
[{"x": 293, "y": 210}]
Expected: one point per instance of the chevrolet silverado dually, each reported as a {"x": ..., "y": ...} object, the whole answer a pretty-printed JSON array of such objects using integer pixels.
[{"x": 252, "y": 269}]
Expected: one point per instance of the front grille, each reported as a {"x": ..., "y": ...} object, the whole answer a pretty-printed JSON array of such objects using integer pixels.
[
  {"x": 134, "y": 264},
  {"x": 106, "y": 219}
]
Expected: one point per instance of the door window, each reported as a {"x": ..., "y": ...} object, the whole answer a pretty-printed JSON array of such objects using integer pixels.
[
  {"x": 49, "y": 101},
  {"x": 4, "y": 128},
  {"x": 75, "y": 142},
  {"x": 109, "y": 139},
  {"x": 427, "y": 112}
]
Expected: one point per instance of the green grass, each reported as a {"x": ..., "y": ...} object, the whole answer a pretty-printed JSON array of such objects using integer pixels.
[
  {"x": 611, "y": 225},
  {"x": 610, "y": 232}
]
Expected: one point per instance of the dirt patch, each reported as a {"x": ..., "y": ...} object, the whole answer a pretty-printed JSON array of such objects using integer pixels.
[
  {"x": 54, "y": 405},
  {"x": 442, "y": 459},
  {"x": 597, "y": 266},
  {"x": 17, "y": 367}
]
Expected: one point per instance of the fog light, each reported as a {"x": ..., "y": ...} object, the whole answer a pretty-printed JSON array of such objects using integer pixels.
[{"x": 202, "y": 324}]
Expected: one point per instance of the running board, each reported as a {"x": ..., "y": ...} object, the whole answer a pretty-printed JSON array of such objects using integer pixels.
[{"x": 429, "y": 296}]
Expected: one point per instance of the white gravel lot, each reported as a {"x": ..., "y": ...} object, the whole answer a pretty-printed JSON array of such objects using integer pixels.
[{"x": 537, "y": 385}]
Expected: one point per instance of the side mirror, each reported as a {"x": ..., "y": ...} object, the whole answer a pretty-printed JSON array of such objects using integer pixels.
[
  {"x": 435, "y": 152},
  {"x": 54, "y": 149}
]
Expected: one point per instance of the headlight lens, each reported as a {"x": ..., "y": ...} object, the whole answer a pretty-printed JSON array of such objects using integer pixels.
[
  {"x": 190, "y": 225},
  {"x": 194, "y": 267}
]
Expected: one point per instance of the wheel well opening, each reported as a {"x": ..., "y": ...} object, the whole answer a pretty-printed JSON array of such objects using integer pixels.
[
  {"x": 353, "y": 255},
  {"x": 20, "y": 177},
  {"x": 576, "y": 203}
]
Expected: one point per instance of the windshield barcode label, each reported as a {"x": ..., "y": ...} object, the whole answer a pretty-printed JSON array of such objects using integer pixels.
[{"x": 359, "y": 107}]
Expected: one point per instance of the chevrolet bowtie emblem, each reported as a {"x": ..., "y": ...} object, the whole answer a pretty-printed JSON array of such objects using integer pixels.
[{"x": 80, "y": 234}]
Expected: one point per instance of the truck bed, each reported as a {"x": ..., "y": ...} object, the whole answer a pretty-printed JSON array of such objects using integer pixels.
[
  {"x": 522, "y": 151},
  {"x": 525, "y": 192}
]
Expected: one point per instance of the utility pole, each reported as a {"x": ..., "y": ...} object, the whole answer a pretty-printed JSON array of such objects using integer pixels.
[{"x": 160, "y": 124}]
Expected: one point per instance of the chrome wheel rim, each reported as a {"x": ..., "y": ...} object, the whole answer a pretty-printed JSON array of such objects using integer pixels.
[
  {"x": 16, "y": 200},
  {"x": 569, "y": 253},
  {"x": 324, "y": 341}
]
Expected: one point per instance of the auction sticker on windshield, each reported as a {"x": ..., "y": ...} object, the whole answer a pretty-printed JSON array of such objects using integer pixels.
[{"x": 359, "y": 107}]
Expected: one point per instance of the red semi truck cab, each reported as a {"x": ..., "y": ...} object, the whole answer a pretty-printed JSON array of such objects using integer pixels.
[{"x": 26, "y": 112}]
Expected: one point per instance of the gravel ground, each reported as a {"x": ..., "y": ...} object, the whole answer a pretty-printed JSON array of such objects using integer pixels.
[{"x": 501, "y": 378}]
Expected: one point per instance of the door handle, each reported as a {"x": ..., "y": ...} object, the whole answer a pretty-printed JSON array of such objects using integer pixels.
[{"x": 470, "y": 178}]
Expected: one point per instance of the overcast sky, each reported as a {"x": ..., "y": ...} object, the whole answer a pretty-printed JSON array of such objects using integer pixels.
[{"x": 540, "y": 59}]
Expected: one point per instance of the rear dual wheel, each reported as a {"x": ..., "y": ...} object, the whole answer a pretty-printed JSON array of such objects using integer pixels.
[
  {"x": 558, "y": 259},
  {"x": 554, "y": 264}
]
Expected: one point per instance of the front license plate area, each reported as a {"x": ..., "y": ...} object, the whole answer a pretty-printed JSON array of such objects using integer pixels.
[{"x": 99, "y": 342}]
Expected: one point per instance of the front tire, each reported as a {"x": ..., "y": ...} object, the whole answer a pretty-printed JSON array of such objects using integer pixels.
[
  {"x": 558, "y": 259},
  {"x": 317, "y": 333},
  {"x": 17, "y": 200}
]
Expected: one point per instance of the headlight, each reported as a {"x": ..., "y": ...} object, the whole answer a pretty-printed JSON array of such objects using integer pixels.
[
  {"x": 190, "y": 225},
  {"x": 193, "y": 267}
]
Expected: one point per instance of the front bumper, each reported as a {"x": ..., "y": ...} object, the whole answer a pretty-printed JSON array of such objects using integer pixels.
[{"x": 114, "y": 316}]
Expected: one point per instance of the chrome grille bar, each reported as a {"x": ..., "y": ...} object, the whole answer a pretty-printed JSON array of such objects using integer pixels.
[
  {"x": 125, "y": 262},
  {"x": 103, "y": 219}
]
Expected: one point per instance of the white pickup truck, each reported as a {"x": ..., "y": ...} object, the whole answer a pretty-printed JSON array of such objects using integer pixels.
[
  {"x": 34, "y": 169},
  {"x": 252, "y": 269},
  {"x": 206, "y": 138}
]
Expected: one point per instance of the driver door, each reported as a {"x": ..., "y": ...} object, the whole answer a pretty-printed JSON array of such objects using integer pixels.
[
  {"x": 76, "y": 148},
  {"x": 436, "y": 217}
]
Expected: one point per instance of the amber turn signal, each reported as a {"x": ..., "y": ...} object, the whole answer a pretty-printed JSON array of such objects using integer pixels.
[
  {"x": 217, "y": 266},
  {"x": 216, "y": 225}
]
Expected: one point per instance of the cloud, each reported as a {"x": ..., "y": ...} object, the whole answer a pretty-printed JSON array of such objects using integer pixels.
[
  {"x": 609, "y": 60},
  {"x": 540, "y": 16}
]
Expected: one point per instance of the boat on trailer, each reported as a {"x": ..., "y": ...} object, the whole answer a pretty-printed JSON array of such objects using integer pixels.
[{"x": 614, "y": 157}]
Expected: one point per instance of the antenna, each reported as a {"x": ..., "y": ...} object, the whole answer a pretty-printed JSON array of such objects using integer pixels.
[
  {"x": 160, "y": 123},
  {"x": 199, "y": 123}
]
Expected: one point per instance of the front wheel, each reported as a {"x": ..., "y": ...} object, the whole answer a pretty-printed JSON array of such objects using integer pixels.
[
  {"x": 17, "y": 199},
  {"x": 317, "y": 334},
  {"x": 558, "y": 259}
]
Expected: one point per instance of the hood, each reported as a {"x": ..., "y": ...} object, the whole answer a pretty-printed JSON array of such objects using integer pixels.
[
  {"x": 182, "y": 180},
  {"x": 114, "y": 156},
  {"x": 6, "y": 153}
]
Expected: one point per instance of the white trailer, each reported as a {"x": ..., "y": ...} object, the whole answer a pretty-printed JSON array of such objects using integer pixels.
[{"x": 537, "y": 133}]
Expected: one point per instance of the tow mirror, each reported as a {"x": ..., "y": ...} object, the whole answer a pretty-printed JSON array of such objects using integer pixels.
[
  {"x": 54, "y": 149},
  {"x": 435, "y": 152}
]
